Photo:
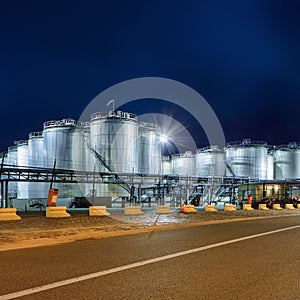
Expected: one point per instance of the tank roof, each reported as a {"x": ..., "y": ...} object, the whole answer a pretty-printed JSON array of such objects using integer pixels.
[
  {"x": 213, "y": 148},
  {"x": 185, "y": 154},
  {"x": 37, "y": 134},
  {"x": 247, "y": 143},
  {"x": 64, "y": 123},
  {"x": 113, "y": 115},
  {"x": 21, "y": 143},
  {"x": 149, "y": 125},
  {"x": 12, "y": 148},
  {"x": 289, "y": 146}
]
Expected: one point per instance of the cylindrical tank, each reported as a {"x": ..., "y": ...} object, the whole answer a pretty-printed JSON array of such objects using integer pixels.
[
  {"x": 36, "y": 150},
  {"x": 114, "y": 137},
  {"x": 287, "y": 161},
  {"x": 247, "y": 159},
  {"x": 36, "y": 160},
  {"x": 184, "y": 164},
  {"x": 149, "y": 148},
  {"x": 23, "y": 162},
  {"x": 210, "y": 161},
  {"x": 270, "y": 170},
  {"x": 166, "y": 165},
  {"x": 63, "y": 141}
]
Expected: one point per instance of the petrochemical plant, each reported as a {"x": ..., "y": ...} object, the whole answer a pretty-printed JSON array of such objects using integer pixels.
[{"x": 114, "y": 160}]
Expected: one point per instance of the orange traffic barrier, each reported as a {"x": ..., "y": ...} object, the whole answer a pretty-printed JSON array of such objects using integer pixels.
[
  {"x": 52, "y": 197},
  {"x": 182, "y": 207}
]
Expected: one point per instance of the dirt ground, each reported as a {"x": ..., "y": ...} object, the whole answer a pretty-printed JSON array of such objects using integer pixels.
[{"x": 35, "y": 230}]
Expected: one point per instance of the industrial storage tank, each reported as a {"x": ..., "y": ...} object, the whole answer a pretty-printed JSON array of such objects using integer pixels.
[
  {"x": 149, "y": 148},
  {"x": 184, "y": 164},
  {"x": 23, "y": 162},
  {"x": 36, "y": 149},
  {"x": 210, "y": 161},
  {"x": 247, "y": 159},
  {"x": 287, "y": 161},
  {"x": 36, "y": 160},
  {"x": 114, "y": 136},
  {"x": 63, "y": 141},
  {"x": 166, "y": 165}
]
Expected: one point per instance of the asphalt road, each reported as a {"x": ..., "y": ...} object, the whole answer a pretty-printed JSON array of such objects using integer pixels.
[{"x": 262, "y": 267}]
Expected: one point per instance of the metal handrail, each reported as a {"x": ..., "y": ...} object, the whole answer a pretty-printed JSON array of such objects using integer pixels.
[{"x": 113, "y": 114}]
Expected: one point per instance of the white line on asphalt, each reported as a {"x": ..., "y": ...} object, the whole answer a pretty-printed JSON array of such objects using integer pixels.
[{"x": 135, "y": 265}]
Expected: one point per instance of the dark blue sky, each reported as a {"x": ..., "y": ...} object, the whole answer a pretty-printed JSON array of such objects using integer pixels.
[{"x": 243, "y": 57}]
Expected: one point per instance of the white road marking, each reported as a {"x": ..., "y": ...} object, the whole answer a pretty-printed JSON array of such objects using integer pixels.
[{"x": 135, "y": 265}]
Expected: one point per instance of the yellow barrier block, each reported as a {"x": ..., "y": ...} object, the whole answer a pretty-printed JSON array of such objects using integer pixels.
[
  {"x": 133, "y": 210},
  {"x": 276, "y": 206},
  {"x": 289, "y": 206},
  {"x": 298, "y": 206},
  {"x": 210, "y": 208},
  {"x": 98, "y": 211},
  {"x": 247, "y": 207},
  {"x": 262, "y": 206},
  {"x": 56, "y": 212},
  {"x": 189, "y": 209},
  {"x": 163, "y": 209},
  {"x": 9, "y": 214},
  {"x": 229, "y": 207}
]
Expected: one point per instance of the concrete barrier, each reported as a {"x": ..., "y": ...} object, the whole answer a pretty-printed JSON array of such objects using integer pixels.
[
  {"x": 9, "y": 214},
  {"x": 262, "y": 206},
  {"x": 289, "y": 206},
  {"x": 229, "y": 207},
  {"x": 133, "y": 210},
  {"x": 210, "y": 208},
  {"x": 56, "y": 212},
  {"x": 247, "y": 207},
  {"x": 189, "y": 209},
  {"x": 98, "y": 211},
  {"x": 163, "y": 209},
  {"x": 276, "y": 206}
]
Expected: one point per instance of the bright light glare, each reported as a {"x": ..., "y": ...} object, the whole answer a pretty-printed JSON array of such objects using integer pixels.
[{"x": 163, "y": 138}]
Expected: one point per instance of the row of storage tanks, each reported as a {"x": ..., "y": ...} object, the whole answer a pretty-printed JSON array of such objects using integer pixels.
[
  {"x": 124, "y": 144},
  {"x": 129, "y": 146},
  {"x": 240, "y": 159}
]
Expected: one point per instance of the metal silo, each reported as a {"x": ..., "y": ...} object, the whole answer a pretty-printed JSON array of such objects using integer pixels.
[
  {"x": 247, "y": 159},
  {"x": 184, "y": 164},
  {"x": 166, "y": 165},
  {"x": 287, "y": 161},
  {"x": 36, "y": 160},
  {"x": 210, "y": 161},
  {"x": 114, "y": 136},
  {"x": 149, "y": 148},
  {"x": 23, "y": 162},
  {"x": 64, "y": 142}
]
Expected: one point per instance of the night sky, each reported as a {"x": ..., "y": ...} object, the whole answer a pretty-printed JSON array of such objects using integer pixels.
[{"x": 243, "y": 57}]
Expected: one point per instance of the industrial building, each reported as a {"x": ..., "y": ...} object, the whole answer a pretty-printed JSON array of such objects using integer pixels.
[{"x": 115, "y": 159}]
